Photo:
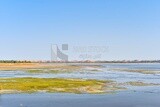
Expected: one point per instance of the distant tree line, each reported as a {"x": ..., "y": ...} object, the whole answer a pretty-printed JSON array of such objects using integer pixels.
[
  {"x": 120, "y": 61},
  {"x": 14, "y": 61},
  {"x": 123, "y": 61},
  {"x": 133, "y": 61}
]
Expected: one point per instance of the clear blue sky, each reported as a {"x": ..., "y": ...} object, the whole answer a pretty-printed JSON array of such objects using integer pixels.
[{"x": 129, "y": 28}]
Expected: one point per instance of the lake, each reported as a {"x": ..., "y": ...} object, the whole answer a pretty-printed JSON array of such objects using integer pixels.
[{"x": 134, "y": 96}]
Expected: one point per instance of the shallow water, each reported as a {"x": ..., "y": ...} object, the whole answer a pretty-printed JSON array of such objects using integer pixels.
[
  {"x": 121, "y": 99},
  {"x": 103, "y": 73},
  {"x": 147, "y": 96}
]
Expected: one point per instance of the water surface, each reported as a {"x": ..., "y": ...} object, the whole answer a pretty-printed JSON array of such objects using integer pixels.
[{"x": 147, "y": 96}]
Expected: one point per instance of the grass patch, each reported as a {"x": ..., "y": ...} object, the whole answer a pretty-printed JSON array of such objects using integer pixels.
[
  {"x": 47, "y": 71},
  {"x": 138, "y": 83},
  {"x": 13, "y": 85},
  {"x": 34, "y": 71},
  {"x": 135, "y": 70}
]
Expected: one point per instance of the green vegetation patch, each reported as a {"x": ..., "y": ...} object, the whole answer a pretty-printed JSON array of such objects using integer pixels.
[
  {"x": 13, "y": 85},
  {"x": 34, "y": 71},
  {"x": 138, "y": 83},
  {"x": 136, "y": 71},
  {"x": 47, "y": 71}
]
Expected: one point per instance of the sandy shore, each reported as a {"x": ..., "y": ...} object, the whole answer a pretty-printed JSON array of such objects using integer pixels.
[
  {"x": 22, "y": 66},
  {"x": 60, "y": 66}
]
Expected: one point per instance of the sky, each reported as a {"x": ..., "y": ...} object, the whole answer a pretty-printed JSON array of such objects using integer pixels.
[{"x": 128, "y": 28}]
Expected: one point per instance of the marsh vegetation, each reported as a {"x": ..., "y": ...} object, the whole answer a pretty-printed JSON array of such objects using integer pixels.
[{"x": 14, "y": 85}]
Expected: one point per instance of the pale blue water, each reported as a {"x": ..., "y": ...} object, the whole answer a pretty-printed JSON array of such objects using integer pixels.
[
  {"x": 122, "y": 99},
  {"x": 104, "y": 74},
  {"x": 134, "y": 97}
]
